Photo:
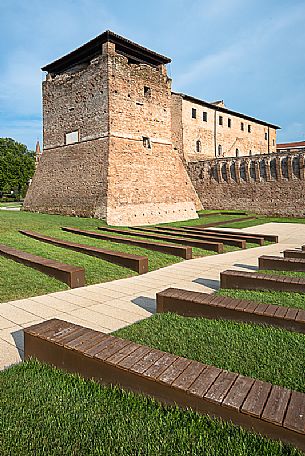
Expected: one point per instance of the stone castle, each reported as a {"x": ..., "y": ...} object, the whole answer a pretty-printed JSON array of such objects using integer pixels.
[{"x": 118, "y": 144}]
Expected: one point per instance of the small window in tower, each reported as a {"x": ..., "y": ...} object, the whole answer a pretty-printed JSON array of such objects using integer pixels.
[
  {"x": 273, "y": 142},
  {"x": 250, "y": 152},
  {"x": 220, "y": 120},
  {"x": 249, "y": 128},
  {"x": 198, "y": 146},
  {"x": 72, "y": 137},
  {"x": 205, "y": 116},
  {"x": 194, "y": 113},
  {"x": 242, "y": 126},
  {"x": 229, "y": 123},
  {"x": 219, "y": 150},
  {"x": 237, "y": 153},
  {"x": 266, "y": 136},
  {"x": 146, "y": 142},
  {"x": 147, "y": 92}
]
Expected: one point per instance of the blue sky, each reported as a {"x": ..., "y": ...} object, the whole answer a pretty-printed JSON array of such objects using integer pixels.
[{"x": 249, "y": 53}]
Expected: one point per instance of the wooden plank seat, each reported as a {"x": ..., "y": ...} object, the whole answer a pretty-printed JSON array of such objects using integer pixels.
[
  {"x": 207, "y": 245},
  {"x": 266, "y": 237},
  {"x": 216, "y": 232},
  {"x": 277, "y": 263},
  {"x": 224, "y": 222},
  {"x": 214, "y": 306},
  {"x": 135, "y": 262},
  {"x": 257, "y": 281},
  {"x": 201, "y": 236},
  {"x": 271, "y": 410},
  {"x": 294, "y": 253},
  {"x": 170, "y": 249},
  {"x": 74, "y": 276},
  {"x": 222, "y": 213}
]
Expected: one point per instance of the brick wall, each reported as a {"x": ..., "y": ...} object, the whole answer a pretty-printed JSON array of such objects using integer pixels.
[
  {"x": 270, "y": 184},
  {"x": 187, "y": 130},
  {"x": 145, "y": 185},
  {"x": 109, "y": 173}
]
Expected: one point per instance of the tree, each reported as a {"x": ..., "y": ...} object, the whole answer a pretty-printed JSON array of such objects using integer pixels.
[{"x": 17, "y": 167}]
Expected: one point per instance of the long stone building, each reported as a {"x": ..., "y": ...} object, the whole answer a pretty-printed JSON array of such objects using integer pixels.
[{"x": 117, "y": 141}]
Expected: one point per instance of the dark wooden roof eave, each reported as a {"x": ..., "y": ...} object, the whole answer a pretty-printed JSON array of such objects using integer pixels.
[
  {"x": 225, "y": 110},
  {"x": 93, "y": 48}
]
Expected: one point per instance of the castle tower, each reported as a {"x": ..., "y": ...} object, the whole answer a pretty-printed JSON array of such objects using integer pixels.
[{"x": 107, "y": 138}]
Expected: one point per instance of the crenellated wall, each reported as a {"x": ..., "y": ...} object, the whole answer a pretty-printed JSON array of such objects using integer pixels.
[{"x": 272, "y": 184}]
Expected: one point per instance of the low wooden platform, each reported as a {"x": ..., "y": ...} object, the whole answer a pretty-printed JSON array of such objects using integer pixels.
[
  {"x": 212, "y": 214},
  {"x": 135, "y": 262},
  {"x": 214, "y": 306},
  {"x": 273, "y": 411},
  {"x": 170, "y": 249},
  {"x": 266, "y": 237},
  {"x": 207, "y": 245},
  {"x": 233, "y": 235},
  {"x": 203, "y": 236},
  {"x": 256, "y": 281},
  {"x": 73, "y": 276},
  {"x": 275, "y": 263},
  {"x": 225, "y": 222},
  {"x": 291, "y": 253}
]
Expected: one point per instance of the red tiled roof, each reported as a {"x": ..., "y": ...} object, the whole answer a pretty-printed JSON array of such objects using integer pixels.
[{"x": 290, "y": 145}]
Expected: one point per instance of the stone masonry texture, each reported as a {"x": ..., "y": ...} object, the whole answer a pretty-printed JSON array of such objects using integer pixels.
[
  {"x": 270, "y": 184},
  {"x": 123, "y": 167}
]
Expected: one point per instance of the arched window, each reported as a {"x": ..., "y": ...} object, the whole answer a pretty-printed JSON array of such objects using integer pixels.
[
  {"x": 219, "y": 150},
  {"x": 250, "y": 153},
  {"x": 198, "y": 146},
  {"x": 237, "y": 152}
]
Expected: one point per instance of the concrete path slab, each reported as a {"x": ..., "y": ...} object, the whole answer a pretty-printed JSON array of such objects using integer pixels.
[{"x": 113, "y": 305}]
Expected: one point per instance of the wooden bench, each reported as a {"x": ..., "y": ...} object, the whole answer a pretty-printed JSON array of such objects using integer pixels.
[
  {"x": 294, "y": 254},
  {"x": 214, "y": 306},
  {"x": 73, "y": 276},
  {"x": 266, "y": 237},
  {"x": 170, "y": 249},
  {"x": 276, "y": 263},
  {"x": 271, "y": 410},
  {"x": 256, "y": 281},
  {"x": 214, "y": 246},
  {"x": 214, "y": 233},
  {"x": 224, "y": 222},
  {"x": 135, "y": 262},
  {"x": 222, "y": 213},
  {"x": 201, "y": 236}
]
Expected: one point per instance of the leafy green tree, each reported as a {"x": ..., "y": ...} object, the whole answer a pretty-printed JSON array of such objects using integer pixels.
[{"x": 17, "y": 166}]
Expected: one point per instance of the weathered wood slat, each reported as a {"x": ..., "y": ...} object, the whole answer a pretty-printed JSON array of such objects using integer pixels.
[
  {"x": 214, "y": 306},
  {"x": 214, "y": 233},
  {"x": 275, "y": 263},
  {"x": 225, "y": 222},
  {"x": 290, "y": 253},
  {"x": 73, "y": 276},
  {"x": 203, "y": 236},
  {"x": 135, "y": 262},
  {"x": 170, "y": 249},
  {"x": 254, "y": 404},
  {"x": 267, "y": 237},
  {"x": 214, "y": 246},
  {"x": 256, "y": 281}
]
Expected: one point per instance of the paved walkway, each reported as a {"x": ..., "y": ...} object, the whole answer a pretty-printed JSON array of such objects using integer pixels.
[{"x": 113, "y": 305}]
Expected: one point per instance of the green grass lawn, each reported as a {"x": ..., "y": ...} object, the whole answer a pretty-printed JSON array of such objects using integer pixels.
[
  {"x": 46, "y": 412},
  {"x": 17, "y": 281},
  {"x": 258, "y": 351},
  {"x": 278, "y": 298}
]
